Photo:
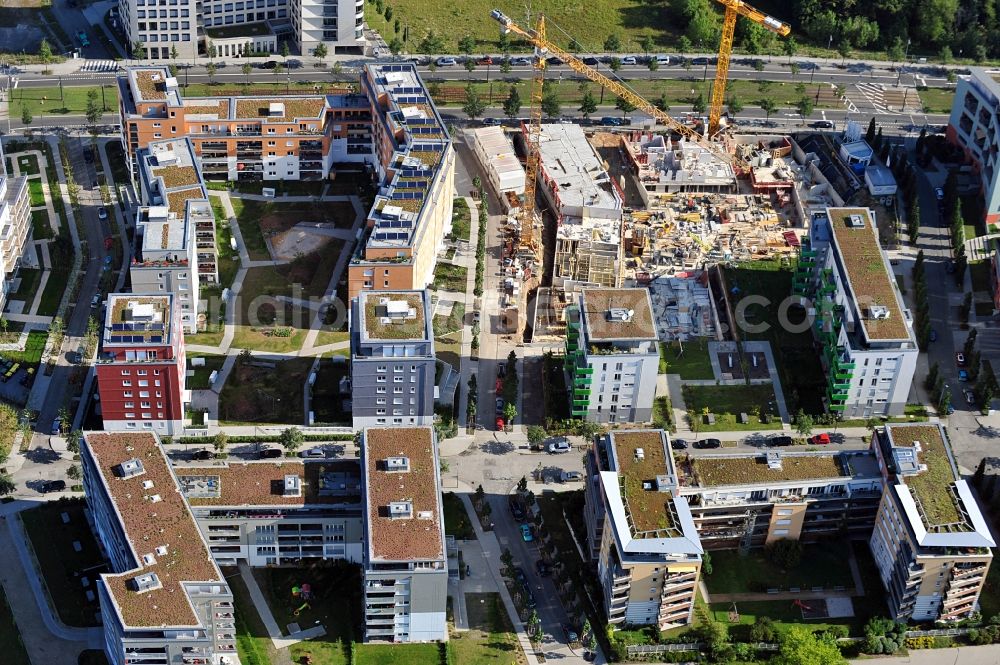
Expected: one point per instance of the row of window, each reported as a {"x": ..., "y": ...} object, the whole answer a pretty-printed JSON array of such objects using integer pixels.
[
  {"x": 142, "y": 393},
  {"x": 240, "y": 6},
  {"x": 127, "y": 383},
  {"x": 145, "y": 416},
  {"x": 142, "y": 13},
  {"x": 395, "y": 412},
  {"x": 164, "y": 25},
  {"x": 396, "y": 400},
  {"x": 143, "y": 405},
  {"x": 395, "y": 421},
  {"x": 395, "y": 379},
  {"x": 396, "y": 390},
  {"x": 140, "y": 372},
  {"x": 153, "y": 38}
]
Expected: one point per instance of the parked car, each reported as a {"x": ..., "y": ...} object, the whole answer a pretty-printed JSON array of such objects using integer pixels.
[
  {"x": 520, "y": 62},
  {"x": 446, "y": 61},
  {"x": 95, "y": 301},
  {"x": 567, "y": 476},
  {"x": 526, "y": 534},
  {"x": 543, "y": 568},
  {"x": 313, "y": 452},
  {"x": 629, "y": 60},
  {"x": 499, "y": 424},
  {"x": 933, "y": 336},
  {"x": 203, "y": 455},
  {"x": 501, "y": 369},
  {"x": 960, "y": 359},
  {"x": 491, "y": 122},
  {"x": 780, "y": 440},
  {"x": 699, "y": 61},
  {"x": 611, "y": 121},
  {"x": 270, "y": 453},
  {"x": 561, "y": 446},
  {"x": 519, "y": 575},
  {"x": 678, "y": 444},
  {"x": 939, "y": 194},
  {"x": 267, "y": 64},
  {"x": 486, "y": 60},
  {"x": 970, "y": 396},
  {"x": 515, "y": 509},
  {"x": 591, "y": 60},
  {"x": 529, "y": 598},
  {"x": 963, "y": 375},
  {"x": 102, "y": 213},
  {"x": 662, "y": 59},
  {"x": 820, "y": 439},
  {"x": 554, "y": 61},
  {"x": 707, "y": 443},
  {"x": 823, "y": 124},
  {"x": 52, "y": 486},
  {"x": 571, "y": 635},
  {"x": 500, "y": 405},
  {"x": 56, "y": 426}
]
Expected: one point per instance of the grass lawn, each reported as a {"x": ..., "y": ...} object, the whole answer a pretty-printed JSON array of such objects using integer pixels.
[
  {"x": 10, "y": 636},
  {"x": 61, "y": 565},
  {"x": 263, "y": 339},
  {"x": 229, "y": 262},
  {"x": 205, "y": 338},
  {"x": 40, "y": 229},
  {"x": 726, "y": 403},
  {"x": 327, "y": 402},
  {"x": 979, "y": 273},
  {"x": 937, "y": 100},
  {"x": 989, "y": 598},
  {"x": 490, "y": 638},
  {"x": 116, "y": 157},
  {"x": 252, "y": 643},
  {"x": 397, "y": 654},
  {"x": 448, "y": 349},
  {"x": 28, "y": 165},
  {"x": 802, "y": 380},
  {"x": 72, "y": 100},
  {"x": 324, "y": 337},
  {"x": 53, "y": 293},
  {"x": 265, "y": 394},
  {"x": 445, "y": 325},
  {"x": 456, "y": 520},
  {"x": 200, "y": 379},
  {"x": 449, "y": 277},
  {"x": 33, "y": 348},
  {"x": 30, "y": 277},
  {"x": 36, "y": 193},
  {"x": 461, "y": 219},
  {"x": 823, "y": 564},
  {"x": 690, "y": 360}
]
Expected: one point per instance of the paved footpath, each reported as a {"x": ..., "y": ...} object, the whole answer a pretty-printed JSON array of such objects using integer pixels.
[{"x": 985, "y": 655}]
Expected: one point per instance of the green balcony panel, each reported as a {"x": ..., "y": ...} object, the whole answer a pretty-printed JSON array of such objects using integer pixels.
[{"x": 838, "y": 407}]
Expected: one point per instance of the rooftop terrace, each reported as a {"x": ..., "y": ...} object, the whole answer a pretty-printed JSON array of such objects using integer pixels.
[
  {"x": 138, "y": 319},
  {"x": 931, "y": 487},
  {"x": 263, "y": 483},
  {"x": 712, "y": 471},
  {"x": 393, "y": 315},
  {"x": 153, "y": 515},
  {"x": 870, "y": 278},
  {"x": 649, "y": 510},
  {"x": 151, "y": 83},
  {"x": 294, "y": 108},
  {"x": 618, "y": 314},
  {"x": 415, "y": 530},
  {"x": 177, "y": 199}
]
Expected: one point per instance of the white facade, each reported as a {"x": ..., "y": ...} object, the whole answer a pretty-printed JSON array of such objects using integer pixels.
[
  {"x": 15, "y": 226},
  {"x": 336, "y": 23},
  {"x": 496, "y": 154}
]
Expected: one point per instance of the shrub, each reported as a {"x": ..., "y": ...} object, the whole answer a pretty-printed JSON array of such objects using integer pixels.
[
  {"x": 785, "y": 553},
  {"x": 762, "y": 630},
  {"x": 919, "y": 642}
]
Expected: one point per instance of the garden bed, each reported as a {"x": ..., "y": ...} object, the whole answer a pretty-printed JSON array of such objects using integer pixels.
[{"x": 727, "y": 402}]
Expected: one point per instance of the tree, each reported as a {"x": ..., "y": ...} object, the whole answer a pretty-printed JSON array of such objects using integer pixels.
[
  {"x": 473, "y": 106},
  {"x": 805, "y": 107},
  {"x": 479, "y": 495},
  {"x": 706, "y": 563},
  {"x": 388, "y": 13},
  {"x": 94, "y": 110},
  {"x": 762, "y": 630},
  {"x": 285, "y": 51},
  {"x": 73, "y": 472},
  {"x": 944, "y": 401},
  {"x": 395, "y": 45},
  {"x": 534, "y": 623},
  {"x": 291, "y": 439},
  {"x": 970, "y": 340},
  {"x": 784, "y": 553},
  {"x": 512, "y": 105},
  {"x": 73, "y": 441},
  {"x": 735, "y": 106},
  {"x": 843, "y": 50},
  {"x": 574, "y": 46},
  {"x": 522, "y": 484},
  {"x": 505, "y": 66},
  {"x": 138, "y": 49},
  {"x": 625, "y": 106},
  {"x": 550, "y": 105},
  {"x": 588, "y": 104},
  {"x": 715, "y": 634},
  {"x": 613, "y": 43},
  {"x": 536, "y": 434},
  {"x": 509, "y": 413},
  {"x": 615, "y": 64},
  {"x": 647, "y": 44},
  {"x": 45, "y": 51},
  {"x": 803, "y": 423},
  {"x": 588, "y": 430},
  {"x": 662, "y": 103},
  {"x": 698, "y": 106},
  {"x": 26, "y": 117},
  {"x": 896, "y": 52},
  {"x": 173, "y": 53},
  {"x": 653, "y": 64},
  {"x": 210, "y": 69},
  {"x": 790, "y": 47},
  {"x": 319, "y": 52},
  {"x": 7, "y": 485},
  {"x": 469, "y": 64},
  {"x": 219, "y": 442},
  {"x": 932, "y": 376},
  {"x": 799, "y": 646},
  {"x": 466, "y": 44},
  {"x": 246, "y": 68},
  {"x": 768, "y": 106},
  {"x": 337, "y": 70},
  {"x": 432, "y": 43},
  {"x": 794, "y": 68}
]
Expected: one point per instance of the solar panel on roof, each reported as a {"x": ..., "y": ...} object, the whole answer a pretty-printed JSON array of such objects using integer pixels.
[
  {"x": 117, "y": 326},
  {"x": 155, "y": 338}
]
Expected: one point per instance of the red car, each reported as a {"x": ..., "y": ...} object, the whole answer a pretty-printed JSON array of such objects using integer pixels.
[
  {"x": 499, "y": 424},
  {"x": 486, "y": 60},
  {"x": 499, "y": 385},
  {"x": 820, "y": 440}
]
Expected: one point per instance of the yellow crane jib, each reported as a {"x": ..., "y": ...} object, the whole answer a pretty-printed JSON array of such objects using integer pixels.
[
  {"x": 734, "y": 8},
  {"x": 537, "y": 39}
]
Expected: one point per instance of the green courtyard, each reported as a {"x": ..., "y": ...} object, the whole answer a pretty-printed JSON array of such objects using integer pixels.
[
  {"x": 688, "y": 359},
  {"x": 726, "y": 403},
  {"x": 822, "y": 565}
]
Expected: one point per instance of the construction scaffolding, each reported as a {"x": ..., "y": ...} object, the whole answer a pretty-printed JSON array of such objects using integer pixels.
[{"x": 683, "y": 306}]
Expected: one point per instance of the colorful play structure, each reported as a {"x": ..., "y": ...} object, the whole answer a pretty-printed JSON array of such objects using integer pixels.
[{"x": 303, "y": 592}]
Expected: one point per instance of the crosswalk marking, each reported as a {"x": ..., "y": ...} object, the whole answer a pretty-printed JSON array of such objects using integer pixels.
[{"x": 100, "y": 66}]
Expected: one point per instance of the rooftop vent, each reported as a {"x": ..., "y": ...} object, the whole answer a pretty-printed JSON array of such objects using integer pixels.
[
  {"x": 131, "y": 468},
  {"x": 156, "y": 498},
  {"x": 425, "y": 515},
  {"x": 620, "y": 314},
  {"x": 640, "y": 454},
  {"x": 774, "y": 461},
  {"x": 856, "y": 221},
  {"x": 401, "y": 510},
  {"x": 878, "y": 312},
  {"x": 144, "y": 582},
  {"x": 399, "y": 309},
  {"x": 293, "y": 485},
  {"x": 147, "y": 484},
  {"x": 397, "y": 464},
  {"x": 276, "y": 109},
  {"x": 665, "y": 482},
  {"x": 148, "y": 559},
  {"x": 161, "y": 550}
]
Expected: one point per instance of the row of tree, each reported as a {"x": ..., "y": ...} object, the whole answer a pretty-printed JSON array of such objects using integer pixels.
[{"x": 922, "y": 316}]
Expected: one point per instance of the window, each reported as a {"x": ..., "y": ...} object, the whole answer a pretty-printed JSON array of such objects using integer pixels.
[
  {"x": 143, "y": 393},
  {"x": 143, "y": 384},
  {"x": 126, "y": 372},
  {"x": 127, "y": 393},
  {"x": 129, "y": 405},
  {"x": 126, "y": 383},
  {"x": 142, "y": 372}
]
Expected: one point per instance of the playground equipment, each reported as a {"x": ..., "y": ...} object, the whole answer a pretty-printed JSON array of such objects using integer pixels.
[
  {"x": 303, "y": 606},
  {"x": 802, "y": 606},
  {"x": 734, "y": 614}
]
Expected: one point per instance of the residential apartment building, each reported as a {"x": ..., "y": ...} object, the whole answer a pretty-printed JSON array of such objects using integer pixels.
[
  {"x": 190, "y": 28},
  {"x": 745, "y": 500},
  {"x": 15, "y": 225},
  {"x": 495, "y": 153},
  {"x": 392, "y": 359},
  {"x": 640, "y": 531},
  {"x": 175, "y": 249},
  {"x": 277, "y": 513},
  {"x": 415, "y": 162},
  {"x": 612, "y": 355},
  {"x": 141, "y": 364},
  {"x": 869, "y": 351},
  {"x": 405, "y": 563},
  {"x": 973, "y": 126},
  {"x": 165, "y": 601},
  {"x": 931, "y": 543}
]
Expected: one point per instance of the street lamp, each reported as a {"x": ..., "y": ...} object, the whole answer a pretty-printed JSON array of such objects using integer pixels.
[{"x": 906, "y": 53}]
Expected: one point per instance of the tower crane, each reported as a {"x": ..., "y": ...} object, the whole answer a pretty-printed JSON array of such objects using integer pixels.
[
  {"x": 734, "y": 8},
  {"x": 536, "y": 37}
]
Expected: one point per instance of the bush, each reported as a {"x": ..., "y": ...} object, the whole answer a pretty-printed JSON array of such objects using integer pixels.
[
  {"x": 919, "y": 642},
  {"x": 762, "y": 630},
  {"x": 785, "y": 553}
]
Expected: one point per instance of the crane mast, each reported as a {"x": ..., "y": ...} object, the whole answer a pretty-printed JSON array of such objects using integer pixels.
[{"x": 734, "y": 8}]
